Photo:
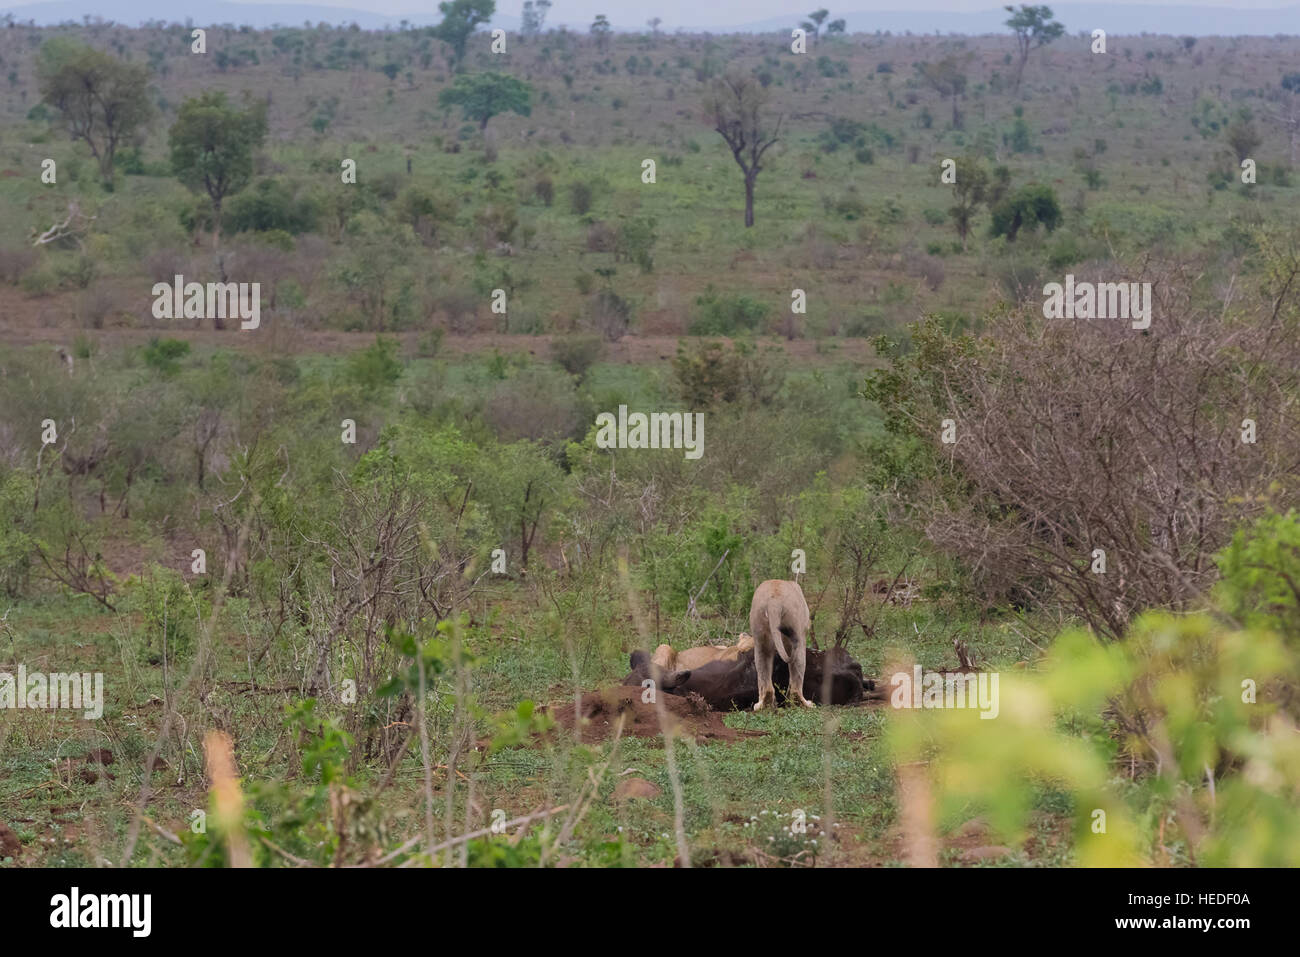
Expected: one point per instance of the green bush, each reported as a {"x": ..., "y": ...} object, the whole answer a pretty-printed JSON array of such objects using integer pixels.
[
  {"x": 272, "y": 204},
  {"x": 1027, "y": 208},
  {"x": 577, "y": 353},
  {"x": 163, "y": 354},
  {"x": 635, "y": 242},
  {"x": 167, "y": 612},
  {"x": 375, "y": 368},
  {"x": 723, "y": 314},
  {"x": 16, "y": 544}
]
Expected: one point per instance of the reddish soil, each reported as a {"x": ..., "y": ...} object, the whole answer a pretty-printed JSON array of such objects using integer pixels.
[
  {"x": 25, "y": 321},
  {"x": 9, "y": 843},
  {"x": 601, "y": 710}
]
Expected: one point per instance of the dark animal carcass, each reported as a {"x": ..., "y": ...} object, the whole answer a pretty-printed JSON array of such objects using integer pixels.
[{"x": 728, "y": 685}]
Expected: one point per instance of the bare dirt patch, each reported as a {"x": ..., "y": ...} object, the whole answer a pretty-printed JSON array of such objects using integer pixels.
[
  {"x": 599, "y": 713},
  {"x": 30, "y": 322},
  {"x": 9, "y": 843}
]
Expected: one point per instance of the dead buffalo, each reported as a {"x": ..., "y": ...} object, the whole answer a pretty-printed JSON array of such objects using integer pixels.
[{"x": 733, "y": 684}]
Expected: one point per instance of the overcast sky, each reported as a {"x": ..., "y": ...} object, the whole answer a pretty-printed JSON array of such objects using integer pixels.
[{"x": 631, "y": 14}]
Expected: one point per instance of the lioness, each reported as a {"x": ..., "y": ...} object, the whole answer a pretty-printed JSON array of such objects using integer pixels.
[
  {"x": 779, "y": 609},
  {"x": 688, "y": 658}
]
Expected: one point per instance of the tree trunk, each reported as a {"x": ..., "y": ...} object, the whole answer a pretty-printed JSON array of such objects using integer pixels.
[{"x": 749, "y": 201}]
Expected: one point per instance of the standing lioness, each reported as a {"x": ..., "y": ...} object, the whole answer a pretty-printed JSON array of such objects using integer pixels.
[{"x": 779, "y": 609}]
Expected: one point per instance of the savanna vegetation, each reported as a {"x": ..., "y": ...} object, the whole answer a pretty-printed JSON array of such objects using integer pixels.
[{"x": 361, "y": 556}]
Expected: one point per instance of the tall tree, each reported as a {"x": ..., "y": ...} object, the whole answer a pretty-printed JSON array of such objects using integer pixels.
[
  {"x": 814, "y": 22},
  {"x": 1034, "y": 28},
  {"x": 735, "y": 108},
  {"x": 600, "y": 29},
  {"x": 102, "y": 100},
  {"x": 534, "y": 18},
  {"x": 1242, "y": 137},
  {"x": 968, "y": 192},
  {"x": 947, "y": 78},
  {"x": 482, "y": 96},
  {"x": 460, "y": 18},
  {"x": 212, "y": 146}
]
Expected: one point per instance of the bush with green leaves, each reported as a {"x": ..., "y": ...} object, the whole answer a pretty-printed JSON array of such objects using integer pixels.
[
  {"x": 376, "y": 367},
  {"x": 164, "y": 355},
  {"x": 1260, "y": 587},
  {"x": 709, "y": 374},
  {"x": 727, "y": 314},
  {"x": 634, "y": 242},
  {"x": 168, "y": 613},
  {"x": 1027, "y": 208},
  {"x": 1177, "y": 745},
  {"x": 317, "y": 814},
  {"x": 709, "y": 558},
  {"x": 273, "y": 204},
  {"x": 16, "y": 544}
]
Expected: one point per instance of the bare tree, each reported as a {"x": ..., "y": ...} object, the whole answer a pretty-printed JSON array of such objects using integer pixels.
[
  {"x": 735, "y": 109},
  {"x": 1114, "y": 495}
]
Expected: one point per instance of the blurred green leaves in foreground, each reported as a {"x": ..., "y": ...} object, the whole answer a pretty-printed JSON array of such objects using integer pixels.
[{"x": 1175, "y": 746}]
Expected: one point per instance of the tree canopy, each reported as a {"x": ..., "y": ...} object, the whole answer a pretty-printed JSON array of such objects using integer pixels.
[
  {"x": 1034, "y": 27},
  {"x": 102, "y": 100},
  {"x": 460, "y": 18},
  {"x": 482, "y": 96},
  {"x": 212, "y": 146}
]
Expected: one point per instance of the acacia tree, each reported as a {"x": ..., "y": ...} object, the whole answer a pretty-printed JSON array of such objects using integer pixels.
[
  {"x": 212, "y": 147},
  {"x": 1034, "y": 28},
  {"x": 814, "y": 22},
  {"x": 600, "y": 29},
  {"x": 482, "y": 96},
  {"x": 734, "y": 107},
  {"x": 101, "y": 100}
]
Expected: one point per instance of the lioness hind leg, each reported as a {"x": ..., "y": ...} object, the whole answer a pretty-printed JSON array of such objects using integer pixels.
[
  {"x": 798, "y": 662},
  {"x": 763, "y": 653}
]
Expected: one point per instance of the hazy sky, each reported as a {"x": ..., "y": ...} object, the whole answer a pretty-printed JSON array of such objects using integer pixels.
[{"x": 674, "y": 13}]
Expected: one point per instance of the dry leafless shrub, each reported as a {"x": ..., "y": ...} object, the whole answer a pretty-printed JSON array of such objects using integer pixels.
[
  {"x": 460, "y": 310},
  {"x": 600, "y": 238},
  {"x": 15, "y": 263},
  {"x": 1077, "y": 435}
]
